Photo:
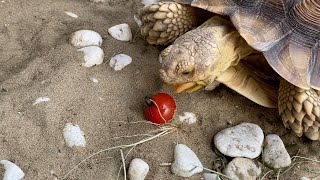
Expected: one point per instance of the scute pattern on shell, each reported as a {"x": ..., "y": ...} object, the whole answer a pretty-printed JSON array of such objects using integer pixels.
[
  {"x": 287, "y": 32},
  {"x": 300, "y": 109}
]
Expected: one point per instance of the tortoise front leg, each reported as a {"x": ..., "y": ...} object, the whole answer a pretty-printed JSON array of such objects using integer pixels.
[
  {"x": 162, "y": 23},
  {"x": 300, "y": 109},
  {"x": 244, "y": 81}
]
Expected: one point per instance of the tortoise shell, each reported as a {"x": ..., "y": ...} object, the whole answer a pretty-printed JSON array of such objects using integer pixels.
[{"x": 286, "y": 31}]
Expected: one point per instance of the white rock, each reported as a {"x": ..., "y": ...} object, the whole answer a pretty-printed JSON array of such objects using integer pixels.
[
  {"x": 41, "y": 99},
  {"x": 120, "y": 61},
  {"x": 242, "y": 169},
  {"x": 93, "y": 55},
  {"x": 83, "y": 38},
  {"x": 211, "y": 176},
  {"x": 188, "y": 117},
  {"x": 98, "y": 1},
  {"x": 12, "y": 171},
  {"x": 138, "y": 169},
  {"x": 186, "y": 162},
  {"x": 304, "y": 178},
  {"x": 73, "y": 135},
  {"x": 148, "y": 2},
  {"x": 121, "y": 32},
  {"x": 275, "y": 153},
  {"x": 71, "y": 14},
  {"x": 94, "y": 80},
  {"x": 244, "y": 140}
]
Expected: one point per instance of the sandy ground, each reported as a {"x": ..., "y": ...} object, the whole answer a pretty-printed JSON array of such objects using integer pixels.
[{"x": 36, "y": 60}]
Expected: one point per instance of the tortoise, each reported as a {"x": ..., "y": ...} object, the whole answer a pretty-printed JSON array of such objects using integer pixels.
[{"x": 215, "y": 41}]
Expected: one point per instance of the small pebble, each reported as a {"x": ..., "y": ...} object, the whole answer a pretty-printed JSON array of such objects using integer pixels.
[
  {"x": 186, "y": 162},
  {"x": 83, "y": 38},
  {"x": 73, "y": 135},
  {"x": 242, "y": 169},
  {"x": 94, "y": 80},
  {"x": 120, "y": 61},
  {"x": 304, "y": 178},
  {"x": 12, "y": 171},
  {"x": 40, "y": 100},
  {"x": 148, "y": 2},
  {"x": 93, "y": 55},
  {"x": 121, "y": 32},
  {"x": 71, "y": 14},
  {"x": 138, "y": 169},
  {"x": 275, "y": 153},
  {"x": 188, "y": 117},
  {"x": 211, "y": 176},
  {"x": 98, "y": 1},
  {"x": 244, "y": 140}
]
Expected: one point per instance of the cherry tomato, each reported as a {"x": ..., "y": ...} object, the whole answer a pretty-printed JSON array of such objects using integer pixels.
[{"x": 166, "y": 105}]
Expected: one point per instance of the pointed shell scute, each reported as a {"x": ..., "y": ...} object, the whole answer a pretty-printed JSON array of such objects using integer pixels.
[
  {"x": 301, "y": 97},
  {"x": 308, "y": 121},
  {"x": 154, "y": 8},
  {"x": 316, "y": 111},
  {"x": 311, "y": 134},
  {"x": 160, "y": 15},
  {"x": 297, "y": 106},
  {"x": 167, "y": 21},
  {"x": 289, "y": 116},
  {"x": 299, "y": 115},
  {"x": 173, "y": 8},
  {"x": 289, "y": 105},
  {"x": 164, "y": 8},
  {"x": 307, "y": 105},
  {"x": 164, "y": 35},
  {"x": 159, "y": 26},
  {"x": 170, "y": 15},
  {"x": 296, "y": 128}
]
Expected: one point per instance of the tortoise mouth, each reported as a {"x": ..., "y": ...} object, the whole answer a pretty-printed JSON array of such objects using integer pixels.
[{"x": 188, "y": 87}]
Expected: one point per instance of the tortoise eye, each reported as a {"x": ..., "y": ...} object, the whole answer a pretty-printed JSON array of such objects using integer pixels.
[
  {"x": 186, "y": 73},
  {"x": 185, "y": 68}
]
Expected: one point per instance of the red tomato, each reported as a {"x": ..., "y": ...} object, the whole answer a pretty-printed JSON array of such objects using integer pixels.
[{"x": 166, "y": 105}]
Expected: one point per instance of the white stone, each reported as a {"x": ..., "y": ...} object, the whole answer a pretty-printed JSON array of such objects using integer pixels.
[
  {"x": 138, "y": 169},
  {"x": 12, "y": 171},
  {"x": 242, "y": 169},
  {"x": 244, "y": 140},
  {"x": 94, "y": 80},
  {"x": 121, "y": 32},
  {"x": 148, "y": 2},
  {"x": 98, "y": 1},
  {"x": 73, "y": 135},
  {"x": 275, "y": 153},
  {"x": 93, "y": 55},
  {"x": 211, "y": 176},
  {"x": 71, "y": 14},
  {"x": 304, "y": 178},
  {"x": 188, "y": 117},
  {"x": 186, "y": 162},
  {"x": 41, "y": 99},
  {"x": 83, "y": 38},
  {"x": 120, "y": 61}
]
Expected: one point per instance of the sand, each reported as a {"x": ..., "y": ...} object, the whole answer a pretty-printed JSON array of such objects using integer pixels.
[{"x": 36, "y": 60}]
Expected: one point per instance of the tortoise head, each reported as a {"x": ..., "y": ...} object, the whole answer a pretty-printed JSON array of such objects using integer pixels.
[{"x": 190, "y": 63}]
